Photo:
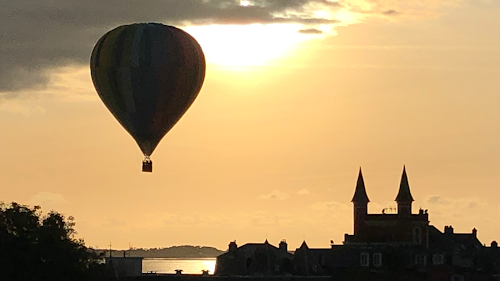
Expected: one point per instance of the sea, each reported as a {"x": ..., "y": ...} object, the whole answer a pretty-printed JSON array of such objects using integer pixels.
[{"x": 169, "y": 265}]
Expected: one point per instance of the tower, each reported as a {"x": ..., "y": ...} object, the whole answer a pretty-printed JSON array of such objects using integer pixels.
[
  {"x": 404, "y": 198},
  {"x": 360, "y": 201}
]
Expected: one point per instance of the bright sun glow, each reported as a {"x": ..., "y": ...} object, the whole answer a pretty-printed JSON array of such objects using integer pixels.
[
  {"x": 247, "y": 45},
  {"x": 245, "y": 3},
  {"x": 347, "y": 17}
]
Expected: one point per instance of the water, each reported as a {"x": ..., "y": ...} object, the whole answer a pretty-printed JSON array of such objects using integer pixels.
[{"x": 188, "y": 266}]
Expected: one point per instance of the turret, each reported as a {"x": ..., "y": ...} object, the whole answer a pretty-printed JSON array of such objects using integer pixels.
[
  {"x": 404, "y": 198},
  {"x": 360, "y": 201}
]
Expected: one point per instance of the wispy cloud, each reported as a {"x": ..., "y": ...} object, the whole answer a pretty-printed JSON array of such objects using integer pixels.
[
  {"x": 23, "y": 109},
  {"x": 330, "y": 206},
  {"x": 47, "y": 198},
  {"x": 464, "y": 213},
  {"x": 303, "y": 192},
  {"x": 275, "y": 195}
]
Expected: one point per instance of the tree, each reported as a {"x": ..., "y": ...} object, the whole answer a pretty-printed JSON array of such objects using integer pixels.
[{"x": 36, "y": 247}]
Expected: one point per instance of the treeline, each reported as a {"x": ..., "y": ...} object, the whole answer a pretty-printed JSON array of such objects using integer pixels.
[
  {"x": 42, "y": 247},
  {"x": 180, "y": 252}
]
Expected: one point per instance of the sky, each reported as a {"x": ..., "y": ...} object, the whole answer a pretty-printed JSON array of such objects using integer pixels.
[{"x": 298, "y": 95}]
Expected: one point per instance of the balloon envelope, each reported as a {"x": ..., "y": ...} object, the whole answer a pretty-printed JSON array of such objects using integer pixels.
[{"x": 147, "y": 75}]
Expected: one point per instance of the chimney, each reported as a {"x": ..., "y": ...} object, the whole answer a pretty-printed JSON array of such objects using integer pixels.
[
  {"x": 448, "y": 229},
  {"x": 283, "y": 246},
  {"x": 494, "y": 244},
  {"x": 232, "y": 246},
  {"x": 474, "y": 232}
]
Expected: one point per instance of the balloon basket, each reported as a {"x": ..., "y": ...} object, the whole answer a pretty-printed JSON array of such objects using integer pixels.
[{"x": 147, "y": 166}]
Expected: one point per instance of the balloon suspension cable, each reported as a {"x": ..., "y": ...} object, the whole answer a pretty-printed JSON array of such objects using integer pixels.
[{"x": 147, "y": 164}]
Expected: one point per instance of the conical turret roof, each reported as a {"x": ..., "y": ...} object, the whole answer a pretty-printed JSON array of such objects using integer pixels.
[
  {"x": 404, "y": 194},
  {"x": 360, "y": 195}
]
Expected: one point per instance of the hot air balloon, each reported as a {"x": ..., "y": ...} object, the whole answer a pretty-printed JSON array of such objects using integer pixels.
[{"x": 147, "y": 75}]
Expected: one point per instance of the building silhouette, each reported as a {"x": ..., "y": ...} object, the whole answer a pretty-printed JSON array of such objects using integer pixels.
[{"x": 397, "y": 245}]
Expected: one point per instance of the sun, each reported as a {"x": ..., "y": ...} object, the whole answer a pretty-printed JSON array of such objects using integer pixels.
[{"x": 238, "y": 46}]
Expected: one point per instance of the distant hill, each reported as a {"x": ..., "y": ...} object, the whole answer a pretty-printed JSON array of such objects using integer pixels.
[{"x": 181, "y": 252}]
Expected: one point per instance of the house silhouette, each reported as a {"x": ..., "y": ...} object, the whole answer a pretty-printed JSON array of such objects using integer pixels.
[{"x": 388, "y": 246}]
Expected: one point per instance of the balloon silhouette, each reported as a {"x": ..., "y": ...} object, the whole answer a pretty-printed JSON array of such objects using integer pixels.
[{"x": 147, "y": 75}]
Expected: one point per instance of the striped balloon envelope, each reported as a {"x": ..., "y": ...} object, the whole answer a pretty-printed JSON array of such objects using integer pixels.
[{"x": 147, "y": 75}]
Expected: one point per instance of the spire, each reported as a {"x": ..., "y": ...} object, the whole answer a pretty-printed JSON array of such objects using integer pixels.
[
  {"x": 360, "y": 193},
  {"x": 404, "y": 194},
  {"x": 304, "y": 245}
]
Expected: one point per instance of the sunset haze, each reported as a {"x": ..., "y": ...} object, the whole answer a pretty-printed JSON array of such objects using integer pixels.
[{"x": 272, "y": 146}]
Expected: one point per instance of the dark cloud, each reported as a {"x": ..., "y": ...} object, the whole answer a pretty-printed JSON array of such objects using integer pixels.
[
  {"x": 390, "y": 12},
  {"x": 310, "y": 31},
  {"x": 39, "y": 35}
]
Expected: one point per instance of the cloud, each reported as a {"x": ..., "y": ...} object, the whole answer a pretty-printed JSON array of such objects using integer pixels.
[
  {"x": 47, "y": 198},
  {"x": 463, "y": 213},
  {"x": 331, "y": 206},
  {"x": 21, "y": 108},
  {"x": 412, "y": 9},
  {"x": 437, "y": 200},
  {"x": 390, "y": 12},
  {"x": 310, "y": 31},
  {"x": 275, "y": 195},
  {"x": 303, "y": 192},
  {"x": 459, "y": 204},
  {"x": 39, "y": 36}
]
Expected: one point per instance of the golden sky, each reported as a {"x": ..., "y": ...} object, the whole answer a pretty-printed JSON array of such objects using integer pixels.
[{"x": 272, "y": 146}]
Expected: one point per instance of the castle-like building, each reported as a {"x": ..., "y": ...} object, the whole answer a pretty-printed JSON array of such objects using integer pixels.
[
  {"x": 402, "y": 228},
  {"x": 386, "y": 246}
]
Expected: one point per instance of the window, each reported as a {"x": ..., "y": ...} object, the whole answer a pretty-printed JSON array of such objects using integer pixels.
[
  {"x": 365, "y": 259},
  {"x": 437, "y": 259},
  {"x": 417, "y": 236},
  {"x": 420, "y": 260},
  {"x": 377, "y": 259}
]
